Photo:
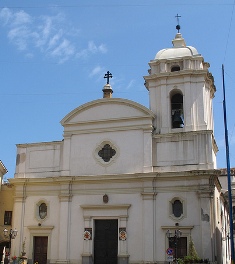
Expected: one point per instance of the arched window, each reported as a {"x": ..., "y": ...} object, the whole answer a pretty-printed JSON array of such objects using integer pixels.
[
  {"x": 175, "y": 68},
  {"x": 177, "y": 117},
  {"x": 177, "y": 208},
  {"x": 42, "y": 210}
]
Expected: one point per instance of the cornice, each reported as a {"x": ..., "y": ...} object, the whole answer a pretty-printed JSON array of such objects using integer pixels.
[
  {"x": 110, "y": 120},
  {"x": 83, "y": 179},
  {"x": 176, "y": 59},
  {"x": 177, "y": 227},
  {"x": 115, "y": 178},
  {"x": 25, "y": 145},
  {"x": 183, "y": 134},
  {"x": 191, "y": 72},
  {"x": 105, "y": 207},
  {"x": 107, "y": 129},
  {"x": 36, "y": 227}
]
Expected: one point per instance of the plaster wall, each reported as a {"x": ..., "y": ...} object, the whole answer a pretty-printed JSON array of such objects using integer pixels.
[
  {"x": 35, "y": 160},
  {"x": 83, "y": 159},
  {"x": 174, "y": 150}
]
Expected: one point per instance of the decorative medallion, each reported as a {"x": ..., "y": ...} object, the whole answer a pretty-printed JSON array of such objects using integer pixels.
[
  {"x": 87, "y": 235},
  {"x": 105, "y": 198},
  {"x": 122, "y": 233}
]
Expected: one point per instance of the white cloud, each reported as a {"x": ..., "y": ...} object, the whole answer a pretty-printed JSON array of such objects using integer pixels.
[
  {"x": 20, "y": 18},
  {"x": 51, "y": 35},
  {"x": 55, "y": 39},
  {"x": 20, "y": 37},
  {"x": 63, "y": 51},
  {"x": 91, "y": 49},
  {"x": 102, "y": 48},
  {"x": 94, "y": 49},
  {"x": 97, "y": 71},
  {"x": 29, "y": 55},
  {"x": 5, "y": 15},
  {"x": 130, "y": 84}
]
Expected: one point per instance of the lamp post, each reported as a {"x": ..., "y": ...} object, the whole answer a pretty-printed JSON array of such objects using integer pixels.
[
  {"x": 174, "y": 238},
  {"x": 12, "y": 235}
]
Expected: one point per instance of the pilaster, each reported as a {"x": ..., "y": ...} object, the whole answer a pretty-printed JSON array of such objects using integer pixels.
[
  {"x": 148, "y": 227},
  {"x": 64, "y": 223}
]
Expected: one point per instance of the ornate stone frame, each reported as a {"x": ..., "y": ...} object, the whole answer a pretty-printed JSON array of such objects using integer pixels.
[
  {"x": 186, "y": 232},
  {"x": 39, "y": 231},
  {"x": 171, "y": 212},
  {"x": 99, "y": 147},
  {"x": 106, "y": 211},
  {"x": 37, "y": 216}
]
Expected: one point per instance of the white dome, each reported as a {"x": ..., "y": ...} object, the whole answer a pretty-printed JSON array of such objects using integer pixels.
[{"x": 179, "y": 50}]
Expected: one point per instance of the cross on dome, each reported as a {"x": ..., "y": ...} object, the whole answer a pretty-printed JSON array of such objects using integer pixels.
[
  {"x": 178, "y": 23},
  {"x": 107, "y": 76}
]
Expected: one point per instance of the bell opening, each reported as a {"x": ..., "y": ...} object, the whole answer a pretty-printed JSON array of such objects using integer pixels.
[{"x": 177, "y": 117}]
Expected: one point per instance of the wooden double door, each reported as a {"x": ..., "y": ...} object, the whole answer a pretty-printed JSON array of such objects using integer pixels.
[
  {"x": 40, "y": 249},
  {"x": 106, "y": 241}
]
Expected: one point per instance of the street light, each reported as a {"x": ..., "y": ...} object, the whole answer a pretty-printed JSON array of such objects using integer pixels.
[
  {"x": 174, "y": 238},
  {"x": 11, "y": 234}
]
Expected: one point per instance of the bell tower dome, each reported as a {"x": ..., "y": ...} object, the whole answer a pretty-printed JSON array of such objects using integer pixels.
[{"x": 181, "y": 90}]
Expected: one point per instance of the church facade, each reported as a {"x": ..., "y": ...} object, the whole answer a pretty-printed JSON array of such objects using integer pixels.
[{"x": 128, "y": 184}]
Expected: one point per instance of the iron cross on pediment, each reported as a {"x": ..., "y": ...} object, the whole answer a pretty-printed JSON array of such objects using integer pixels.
[{"x": 107, "y": 76}]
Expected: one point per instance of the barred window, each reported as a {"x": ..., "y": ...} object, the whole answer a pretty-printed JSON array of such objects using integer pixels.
[{"x": 7, "y": 217}]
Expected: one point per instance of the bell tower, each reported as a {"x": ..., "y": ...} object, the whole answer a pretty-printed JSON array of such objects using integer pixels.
[{"x": 181, "y": 90}]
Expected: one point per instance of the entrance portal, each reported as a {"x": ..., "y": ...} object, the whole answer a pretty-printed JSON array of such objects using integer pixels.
[
  {"x": 40, "y": 249},
  {"x": 106, "y": 241}
]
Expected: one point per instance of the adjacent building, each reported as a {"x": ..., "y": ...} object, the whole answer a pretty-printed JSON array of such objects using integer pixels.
[
  {"x": 125, "y": 177},
  {"x": 6, "y": 208}
]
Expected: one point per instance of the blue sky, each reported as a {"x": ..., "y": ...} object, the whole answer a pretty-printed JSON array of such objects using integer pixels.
[{"x": 54, "y": 55}]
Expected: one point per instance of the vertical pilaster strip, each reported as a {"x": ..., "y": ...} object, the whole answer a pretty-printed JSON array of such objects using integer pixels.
[
  {"x": 66, "y": 156},
  {"x": 148, "y": 224},
  {"x": 148, "y": 166},
  {"x": 65, "y": 217}
]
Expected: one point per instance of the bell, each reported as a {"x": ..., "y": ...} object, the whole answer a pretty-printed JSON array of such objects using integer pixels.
[{"x": 177, "y": 120}]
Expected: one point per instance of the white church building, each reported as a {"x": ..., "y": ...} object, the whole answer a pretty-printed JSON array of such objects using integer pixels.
[{"x": 125, "y": 176}]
